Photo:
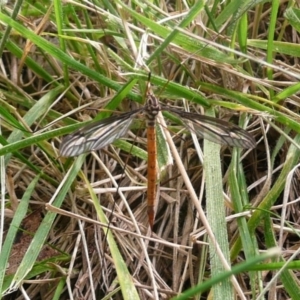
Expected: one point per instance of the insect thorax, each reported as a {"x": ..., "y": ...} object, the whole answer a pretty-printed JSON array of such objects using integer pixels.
[{"x": 152, "y": 107}]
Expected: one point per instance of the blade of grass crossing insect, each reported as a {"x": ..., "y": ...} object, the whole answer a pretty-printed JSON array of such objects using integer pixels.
[
  {"x": 216, "y": 215},
  {"x": 164, "y": 157},
  {"x": 41, "y": 234},
  {"x": 125, "y": 279}
]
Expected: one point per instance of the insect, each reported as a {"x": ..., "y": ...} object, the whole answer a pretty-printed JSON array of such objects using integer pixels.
[{"x": 99, "y": 134}]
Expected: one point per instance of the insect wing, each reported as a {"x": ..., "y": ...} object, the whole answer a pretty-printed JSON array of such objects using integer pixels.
[
  {"x": 215, "y": 130},
  {"x": 97, "y": 135}
]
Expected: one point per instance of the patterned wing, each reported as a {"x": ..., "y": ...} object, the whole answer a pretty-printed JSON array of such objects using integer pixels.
[
  {"x": 215, "y": 130},
  {"x": 97, "y": 135}
]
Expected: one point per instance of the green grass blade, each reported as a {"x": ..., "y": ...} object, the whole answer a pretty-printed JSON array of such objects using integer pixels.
[
  {"x": 216, "y": 215},
  {"x": 13, "y": 229},
  {"x": 128, "y": 289},
  {"x": 44, "y": 228}
]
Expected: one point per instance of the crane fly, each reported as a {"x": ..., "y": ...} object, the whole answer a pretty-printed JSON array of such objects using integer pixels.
[{"x": 99, "y": 134}]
